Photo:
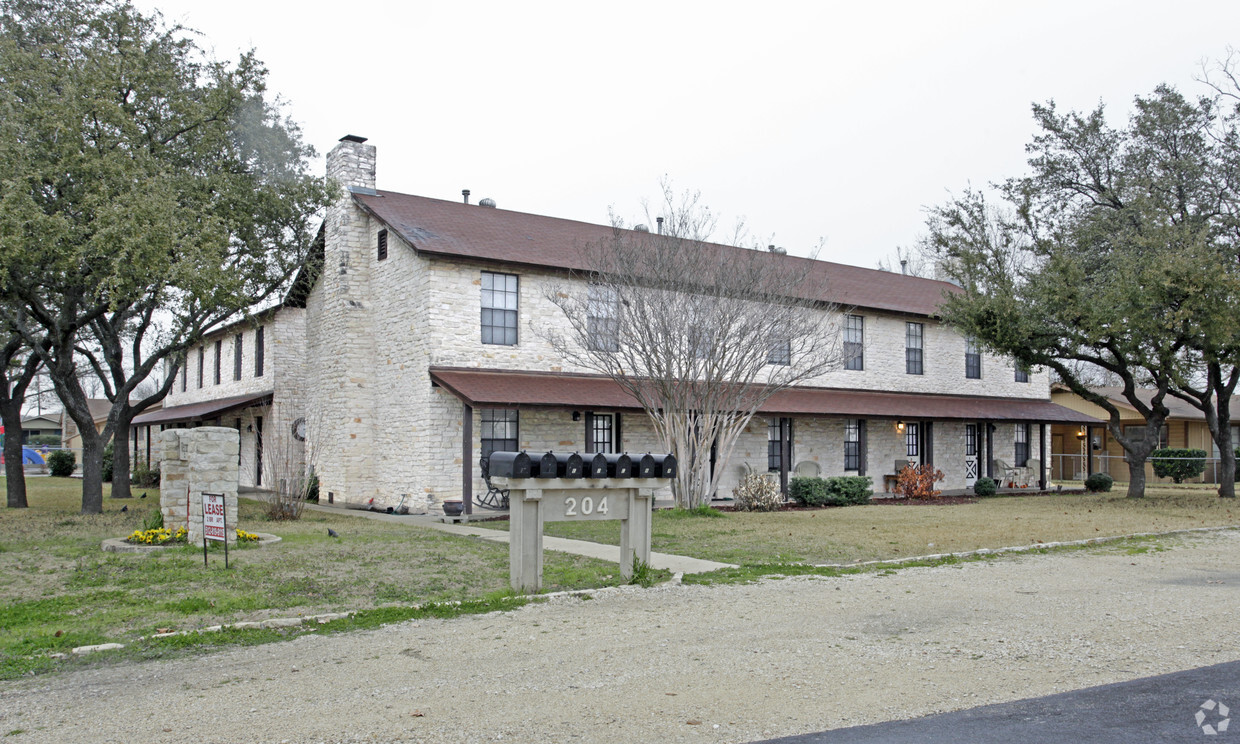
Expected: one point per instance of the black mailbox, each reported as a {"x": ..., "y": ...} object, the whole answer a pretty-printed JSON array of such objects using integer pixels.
[
  {"x": 619, "y": 466},
  {"x": 511, "y": 465},
  {"x": 561, "y": 465},
  {"x": 598, "y": 466},
  {"x": 656, "y": 466}
]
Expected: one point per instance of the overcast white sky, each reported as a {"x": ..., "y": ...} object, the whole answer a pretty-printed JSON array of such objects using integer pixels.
[{"x": 831, "y": 120}]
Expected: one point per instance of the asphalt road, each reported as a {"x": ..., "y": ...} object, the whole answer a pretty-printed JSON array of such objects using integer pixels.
[{"x": 1153, "y": 709}]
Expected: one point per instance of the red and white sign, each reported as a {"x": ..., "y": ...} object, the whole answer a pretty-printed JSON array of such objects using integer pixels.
[{"x": 213, "y": 523}]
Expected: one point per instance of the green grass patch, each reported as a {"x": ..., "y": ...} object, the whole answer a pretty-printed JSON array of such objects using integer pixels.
[{"x": 61, "y": 590}]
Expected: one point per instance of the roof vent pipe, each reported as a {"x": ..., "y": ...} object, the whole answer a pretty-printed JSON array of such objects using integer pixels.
[
  {"x": 660, "y": 221},
  {"x": 904, "y": 266},
  {"x": 465, "y": 193}
]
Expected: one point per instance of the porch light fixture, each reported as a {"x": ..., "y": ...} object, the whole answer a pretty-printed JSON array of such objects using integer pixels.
[
  {"x": 899, "y": 426},
  {"x": 576, "y": 415}
]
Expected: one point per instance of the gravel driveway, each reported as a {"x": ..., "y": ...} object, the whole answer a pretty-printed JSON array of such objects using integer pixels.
[{"x": 683, "y": 663}]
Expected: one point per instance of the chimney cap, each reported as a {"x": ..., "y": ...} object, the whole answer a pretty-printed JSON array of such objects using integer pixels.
[{"x": 352, "y": 138}]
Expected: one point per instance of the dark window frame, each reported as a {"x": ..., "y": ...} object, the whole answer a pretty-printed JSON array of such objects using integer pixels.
[
  {"x": 498, "y": 321},
  {"x": 602, "y": 318},
  {"x": 854, "y": 342},
  {"x": 202, "y": 365},
  {"x": 602, "y": 433},
  {"x": 382, "y": 251},
  {"x": 1022, "y": 373},
  {"x": 510, "y": 421},
  {"x": 914, "y": 348},
  {"x": 259, "y": 352},
  {"x": 774, "y": 447},
  {"x": 912, "y": 439},
  {"x": 185, "y": 373},
  {"x": 219, "y": 352},
  {"x": 1020, "y": 449},
  {"x": 972, "y": 360},
  {"x": 780, "y": 354},
  {"x": 238, "y": 341},
  {"x": 852, "y": 444}
]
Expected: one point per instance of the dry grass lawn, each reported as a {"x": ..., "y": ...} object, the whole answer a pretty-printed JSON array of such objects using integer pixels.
[{"x": 900, "y": 530}]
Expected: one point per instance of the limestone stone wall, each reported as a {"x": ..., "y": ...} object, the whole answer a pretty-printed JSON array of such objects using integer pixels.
[{"x": 197, "y": 461}]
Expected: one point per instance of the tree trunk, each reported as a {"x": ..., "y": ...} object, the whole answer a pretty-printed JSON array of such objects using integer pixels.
[
  {"x": 1226, "y": 455},
  {"x": 120, "y": 459},
  {"x": 1136, "y": 477},
  {"x": 15, "y": 475},
  {"x": 92, "y": 472}
]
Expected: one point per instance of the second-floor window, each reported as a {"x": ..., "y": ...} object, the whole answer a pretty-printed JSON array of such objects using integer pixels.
[
  {"x": 258, "y": 351},
  {"x": 499, "y": 308},
  {"x": 854, "y": 342},
  {"x": 781, "y": 354},
  {"x": 913, "y": 348},
  {"x": 219, "y": 352},
  {"x": 972, "y": 359},
  {"x": 185, "y": 373},
  {"x": 1022, "y": 373},
  {"x": 202, "y": 364},
  {"x": 237, "y": 356},
  {"x": 602, "y": 318}
]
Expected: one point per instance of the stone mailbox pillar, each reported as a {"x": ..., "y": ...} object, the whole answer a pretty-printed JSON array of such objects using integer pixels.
[
  {"x": 535, "y": 501},
  {"x": 194, "y": 461}
]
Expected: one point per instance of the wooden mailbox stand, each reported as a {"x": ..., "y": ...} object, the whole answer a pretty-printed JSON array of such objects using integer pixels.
[{"x": 535, "y": 501}]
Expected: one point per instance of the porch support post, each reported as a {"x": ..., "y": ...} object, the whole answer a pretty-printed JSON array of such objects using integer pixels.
[
  {"x": 785, "y": 452},
  {"x": 1089, "y": 451},
  {"x": 467, "y": 457},
  {"x": 990, "y": 449},
  {"x": 1042, "y": 458}
]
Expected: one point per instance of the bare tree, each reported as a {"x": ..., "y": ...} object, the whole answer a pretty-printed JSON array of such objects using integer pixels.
[
  {"x": 289, "y": 457},
  {"x": 700, "y": 334}
]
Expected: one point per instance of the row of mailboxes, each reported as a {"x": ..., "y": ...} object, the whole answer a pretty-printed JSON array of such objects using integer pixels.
[{"x": 574, "y": 465}]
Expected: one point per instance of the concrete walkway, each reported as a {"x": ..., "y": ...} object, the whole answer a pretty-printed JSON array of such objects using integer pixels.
[{"x": 673, "y": 563}]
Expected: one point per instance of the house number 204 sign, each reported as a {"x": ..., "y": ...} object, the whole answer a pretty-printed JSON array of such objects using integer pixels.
[{"x": 575, "y": 505}]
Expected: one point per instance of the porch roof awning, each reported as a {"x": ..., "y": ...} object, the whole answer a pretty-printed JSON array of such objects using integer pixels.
[
  {"x": 207, "y": 409},
  {"x": 517, "y": 389}
]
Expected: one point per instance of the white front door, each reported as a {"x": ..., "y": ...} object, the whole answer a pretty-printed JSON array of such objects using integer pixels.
[{"x": 970, "y": 454}]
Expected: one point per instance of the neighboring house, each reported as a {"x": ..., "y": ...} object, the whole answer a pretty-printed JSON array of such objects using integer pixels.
[
  {"x": 38, "y": 426},
  {"x": 139, "y": 443},
  {"x": 1080, "y": 450},
  {"x": 406, "y": 346},
  {"x": 71, "y": 438}
]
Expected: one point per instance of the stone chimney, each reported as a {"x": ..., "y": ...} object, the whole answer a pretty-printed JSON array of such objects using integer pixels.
[{"x": 351, "y": 163}]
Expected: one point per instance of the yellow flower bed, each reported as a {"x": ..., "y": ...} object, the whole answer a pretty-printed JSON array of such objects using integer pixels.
[
  {"x": 159, "y": 536},
  {"x": 243, "y": 536}
]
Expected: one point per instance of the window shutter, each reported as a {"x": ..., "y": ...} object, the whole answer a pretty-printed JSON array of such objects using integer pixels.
[
  {"x": 589, "y": 417},
  {"x": 863, "y": 446}
]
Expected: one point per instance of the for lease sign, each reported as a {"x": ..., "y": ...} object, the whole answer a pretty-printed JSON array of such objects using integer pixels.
[{"x": 213, "y": 527}]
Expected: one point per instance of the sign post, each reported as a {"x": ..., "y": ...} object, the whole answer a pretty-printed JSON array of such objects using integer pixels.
[{"x": 214, "y": 524}]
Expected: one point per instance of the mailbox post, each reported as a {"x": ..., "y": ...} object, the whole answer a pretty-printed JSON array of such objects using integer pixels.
[{"x": 565, "y": 495}]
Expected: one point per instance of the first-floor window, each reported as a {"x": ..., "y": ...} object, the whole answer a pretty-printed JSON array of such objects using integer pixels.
[
  {"x": 1021, "y": 455},
  {"x": 852, "y": 445},
  {"x": 774, "y": 443},
  {"x": 602, "y": 433},
  {"x": 499, "y": 430},
  {"x": 912, "y": 439},
  {"x": 1137, "y": 432},
  {"x": 970, "y": 440}
]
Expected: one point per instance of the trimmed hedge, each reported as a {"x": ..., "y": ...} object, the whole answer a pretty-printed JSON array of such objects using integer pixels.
[
  {"x": 1098, "y": 482},
  {"x": 843, "y": 490},
  {"x": 1181, "y": 464},
  {"x": 985, "y": 487}
]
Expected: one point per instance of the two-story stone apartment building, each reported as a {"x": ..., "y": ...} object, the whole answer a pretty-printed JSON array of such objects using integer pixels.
[{"x": 407, "y": 349}]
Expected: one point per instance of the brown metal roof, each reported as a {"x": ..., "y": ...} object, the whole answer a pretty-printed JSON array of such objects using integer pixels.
[
  {"x": 450, "y": 228},
  {"x": 206, "y": 409},
  {"x": 505, "y": 389}
]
